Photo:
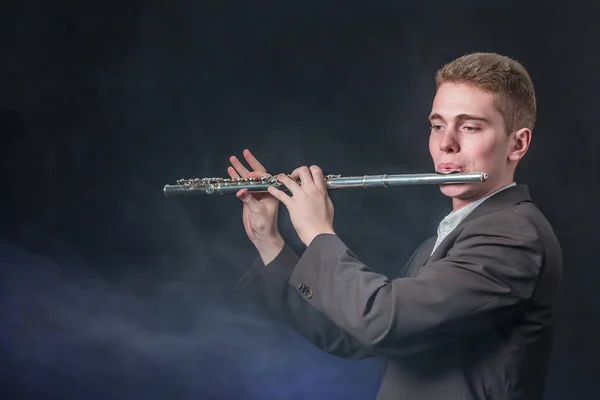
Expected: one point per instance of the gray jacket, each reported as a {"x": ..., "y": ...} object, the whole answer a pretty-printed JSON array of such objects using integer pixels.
[{"x": 474, "y": 320}]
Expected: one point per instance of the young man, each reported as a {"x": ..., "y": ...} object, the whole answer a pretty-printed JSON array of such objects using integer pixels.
[{"x": 473, "y": 316}]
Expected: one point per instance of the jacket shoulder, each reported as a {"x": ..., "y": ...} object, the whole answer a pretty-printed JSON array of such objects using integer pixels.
[{"x": 521, "y": 218}]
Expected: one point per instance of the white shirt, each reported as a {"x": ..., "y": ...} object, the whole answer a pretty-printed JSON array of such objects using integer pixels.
[{"x": 451, "y": 221}]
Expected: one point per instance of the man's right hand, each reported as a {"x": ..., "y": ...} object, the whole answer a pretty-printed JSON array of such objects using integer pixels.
[{"x": 259, "y": 213}]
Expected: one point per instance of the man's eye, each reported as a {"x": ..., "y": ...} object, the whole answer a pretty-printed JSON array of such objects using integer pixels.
[
  {"x": 472, "y": 128},
  {"x": 436, "y": 127}
]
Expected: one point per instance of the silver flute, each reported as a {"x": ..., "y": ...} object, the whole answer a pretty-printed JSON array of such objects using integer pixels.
[{"x": 222, "y": 186}]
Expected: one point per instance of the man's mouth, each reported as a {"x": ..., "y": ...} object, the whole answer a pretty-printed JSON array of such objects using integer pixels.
[{"x": 450, "y": 169}]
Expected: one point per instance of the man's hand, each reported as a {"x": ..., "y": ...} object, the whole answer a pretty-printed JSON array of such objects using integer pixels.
[
  {"x": 310, "y": 208},
  {"x": 259, "y": 213}
]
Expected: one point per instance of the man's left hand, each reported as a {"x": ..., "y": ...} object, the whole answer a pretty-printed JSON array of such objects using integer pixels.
[{"x": 309, "y": 206}]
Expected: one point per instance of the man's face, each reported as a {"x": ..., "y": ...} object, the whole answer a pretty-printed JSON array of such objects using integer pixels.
[{"x": 468, "y": 135}]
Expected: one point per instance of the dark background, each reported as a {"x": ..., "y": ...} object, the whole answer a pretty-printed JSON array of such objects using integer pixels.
[{"x": 112, "y": 291}]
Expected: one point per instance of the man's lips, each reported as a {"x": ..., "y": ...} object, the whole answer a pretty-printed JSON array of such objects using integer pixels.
[{"x": 448, "y": 167}]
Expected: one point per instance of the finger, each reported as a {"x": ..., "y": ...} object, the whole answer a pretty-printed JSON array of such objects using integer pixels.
[
  {"x": 239, "y": 167},
  {"x": 292, "y": 186},
  {"x": 318, "y": 178},
  {"x": 295, "y": 175},
  {"x": 254, "y": 163},
  {"x": 252, "y": 174},
  {"x": 232, "y": 173},
  {"x": 279, "y": 195},
  {"x": 306, "y": 178},
  {"x": 258, "y": 174}
]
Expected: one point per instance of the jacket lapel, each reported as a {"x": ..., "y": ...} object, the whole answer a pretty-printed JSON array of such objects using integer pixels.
[
  {"x": 506, "y": 198},
  {"x": 421, "y": 257}
]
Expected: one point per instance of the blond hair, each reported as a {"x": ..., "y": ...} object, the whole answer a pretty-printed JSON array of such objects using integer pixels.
[{"x": 500, "y": 75}]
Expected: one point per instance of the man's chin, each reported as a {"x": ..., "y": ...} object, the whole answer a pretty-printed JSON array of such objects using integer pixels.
[{"x": 456, "y": 190}]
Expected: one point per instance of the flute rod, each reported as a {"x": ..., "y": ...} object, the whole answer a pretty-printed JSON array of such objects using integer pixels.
[{"x": 200, "y": 186}]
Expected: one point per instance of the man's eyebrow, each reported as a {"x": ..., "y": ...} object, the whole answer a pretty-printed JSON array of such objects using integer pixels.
[
  {"x": 471, "y": 117},
  {"x": 460, "y": 117}
]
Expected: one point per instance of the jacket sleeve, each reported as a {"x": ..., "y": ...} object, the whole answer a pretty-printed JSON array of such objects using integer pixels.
[
  {"x": 269, "y": 287},
  {"x": 487, "y": 276}
]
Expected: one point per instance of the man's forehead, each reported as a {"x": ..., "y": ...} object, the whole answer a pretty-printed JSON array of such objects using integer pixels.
[{"x": 463, "y": 107}]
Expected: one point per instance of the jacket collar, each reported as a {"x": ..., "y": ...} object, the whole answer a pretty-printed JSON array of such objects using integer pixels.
[{"x": 506, "y": 198}]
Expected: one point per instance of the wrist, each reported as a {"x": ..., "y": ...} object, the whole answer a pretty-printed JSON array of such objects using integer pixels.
[
  {"x": 327, "y": 230},
  {"x": 268, "y": 249}
]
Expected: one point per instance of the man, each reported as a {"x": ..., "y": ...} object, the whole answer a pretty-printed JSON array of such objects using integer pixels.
[{"x": 473, "y": 315}]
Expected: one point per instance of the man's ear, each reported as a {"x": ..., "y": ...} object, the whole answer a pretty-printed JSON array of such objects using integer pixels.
[{"x": 519, "y": 144}]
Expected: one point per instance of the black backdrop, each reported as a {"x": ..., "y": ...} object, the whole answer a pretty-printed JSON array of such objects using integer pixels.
[{"x": 111, "y": 290}]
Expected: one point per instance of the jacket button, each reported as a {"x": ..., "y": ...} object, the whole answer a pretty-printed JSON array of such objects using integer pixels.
[{"x": 305, "y": 290}]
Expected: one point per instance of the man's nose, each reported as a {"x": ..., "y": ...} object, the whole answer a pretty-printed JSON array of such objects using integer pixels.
[{"x": 448, "y": 142}]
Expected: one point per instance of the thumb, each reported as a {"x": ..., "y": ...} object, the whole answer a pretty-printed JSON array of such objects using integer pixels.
[{"x": 245, "y": 196}]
